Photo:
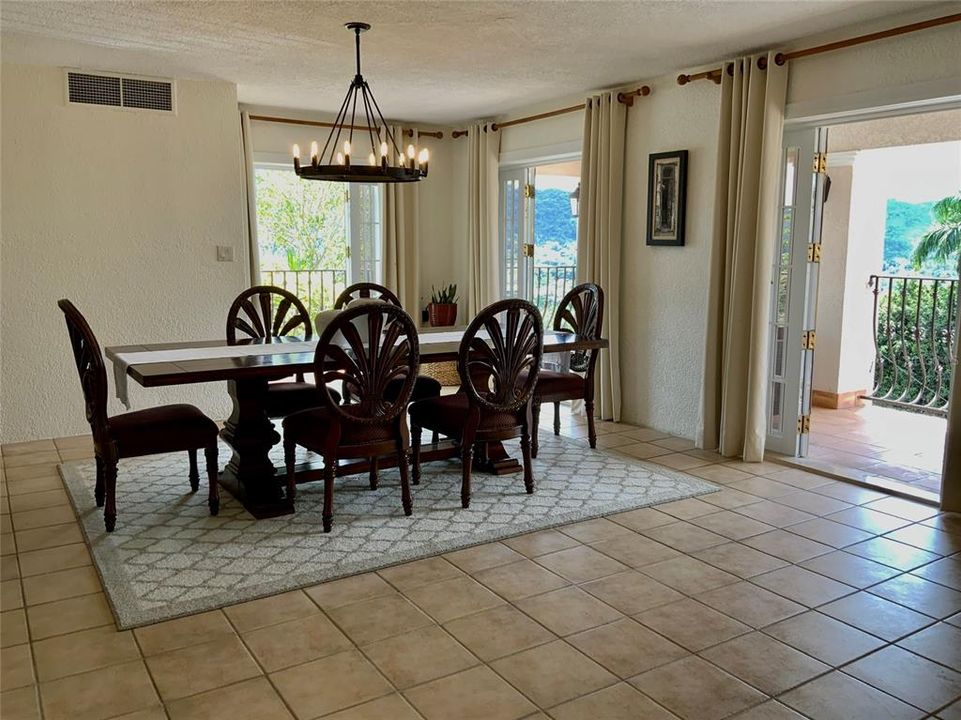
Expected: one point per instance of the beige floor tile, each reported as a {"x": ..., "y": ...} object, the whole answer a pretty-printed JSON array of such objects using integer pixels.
[
  {"x": 475, "y": 694},
  {"x": 617, "y": 702},
  {"x": 920, "y": 595},
  {"x": 803, "y": 586},
  {"x": 687, "y": 508},
  {"x": 821, "y": 636},
  {"x": 645, "y": 434},
  {"x": 347, "y": 679},
  {"x": 677, "y": 444},
  {"x": 21, "y": 704},
  {"x": 8, "y": 545},
  {"x": 37, "y": 500},
  {"x": 631, "y": 592},
  {"x": 626, "y": 647},
  {"x": 349, "y": 590},
  {"x": 869, "y": 520},
  {"x": 60, "y": 585},
  {"x": 73, "y": 441},
  {"x": 28, "y": 447},
  {"x": 11, "y": 594},
  {"x": 82, "y": 651},
  {"x": 642, "y": 519},
  {"x": 66, "y": 616},
  {"x": 47, "y": 537},
  {"x": 482, "y": 557},
  {"x": 419, "y": 656},
  {"x": 696, "y": 690},
  {"x": 837, "y": 696},
  {"x": 731, "y": 525},
  {"x": 770, "y": 666},
  {"x": 813, "y": 503},
  {"x": 688, "y": 575},
  {"x": 451, "y": 599},
  {"x": 13, "y": 628},
  {"x": 724, "y": 474},
  {"x": 519, "y": 580},
  {"x": 9, "y": 569},
  {"x": 830, "y": 533},
  {"x": 945, "y": 572},
  {"x": 849, "y": 493},
  {"x": 64, "y": 557},
  {"x": 40, "y": 457},
  {"x": 553, "y": 673},
  {"x": 691, "y": 624},
  {"x": 636, "y": 550},
  {"x": 751, "y": 604},
  {"x": 394, "y": 707},
  {"x": 540, "y": 543},
  {"x": 787, "y": 546},
  {"x": 252, "y": 699},
  {"x": 774, "y": 513},
  {"x": 850, "y": 569},
  {"x": 903, "y": 508},
  {"x": 372, "y": 620},
  {"x": 739, "y": 560},
  {"x": 43, "y": 517},
  {"x": 643, "y": 450},
  {"x": 679, "y": 461},
  {"x": 33, "y": 478},
  {"x": 910, "y": 677},
  {"x": 183, "y": 632},
  {"x": 17, "y": 664},
  {"x": 941, "y": 643},
  {"x": 270, "y": 611},
  {"x": 568, "y": 610},
  {"x": 762, "y": 487},
  {"x": 104, "y": 693},
  {"x": 614, "y": 440},
  {"x": 770, "y": 710},
  {"x": 295, "y": 642},
  {"x": 876, "y": 615},
  {"x": 799, "y": 478},
  {"x": 684, "y": 536},
  {"x": 892, "y": 553},
  {"x": 928, "y": 538},
  {"x": 420, "y": 572},
  {"x": 581, "y": 564},
  {"x": 728, "y": 498},
  {"x": 198, "y": 668},
  {"x": 498, "y": 632},
  {"x": 596, "y": 530}
]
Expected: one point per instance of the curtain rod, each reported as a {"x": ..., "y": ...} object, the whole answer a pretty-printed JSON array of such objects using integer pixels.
[
  {"x": 409, "y": 132},
  {"x": 624, "y": 97},
  {"x": 781, "y": 58}
]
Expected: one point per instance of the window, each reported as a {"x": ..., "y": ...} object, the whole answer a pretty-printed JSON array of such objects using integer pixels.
[{"x": 315, "y": 238}]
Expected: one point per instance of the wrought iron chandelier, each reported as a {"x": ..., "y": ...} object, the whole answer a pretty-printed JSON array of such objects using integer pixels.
[{"x": 337, "y": 162}]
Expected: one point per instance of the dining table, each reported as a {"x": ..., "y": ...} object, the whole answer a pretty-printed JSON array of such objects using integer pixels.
[{"x": 251, "y": 475}]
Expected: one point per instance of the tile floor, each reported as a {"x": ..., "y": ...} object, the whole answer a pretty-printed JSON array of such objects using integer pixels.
[{"x": 784, "y": 595}]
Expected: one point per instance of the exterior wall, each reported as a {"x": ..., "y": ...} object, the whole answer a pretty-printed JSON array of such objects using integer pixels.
[{"x": 119, "y": 211}]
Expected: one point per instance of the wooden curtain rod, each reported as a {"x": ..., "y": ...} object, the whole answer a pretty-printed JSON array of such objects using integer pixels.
[
  {"x": 781, "y": 58},
  {"x": 624, "y": 97},
  {"x": 409, "y": 132}
]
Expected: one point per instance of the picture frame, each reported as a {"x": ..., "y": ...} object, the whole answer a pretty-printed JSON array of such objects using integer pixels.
[{"x": 666, "y": 198}]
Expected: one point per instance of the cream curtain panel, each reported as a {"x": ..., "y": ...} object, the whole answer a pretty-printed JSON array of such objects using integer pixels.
[
  {"x": 250, "y": 198},
  {"x": 599, "y": 232},
  {"x": 734, "y": 417},
  {"x": 483, "y": 151},
  {"x": 401, "y": 263}
]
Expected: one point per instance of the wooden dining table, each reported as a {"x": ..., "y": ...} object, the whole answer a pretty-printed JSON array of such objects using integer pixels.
[{"x": 251, "y": 475}]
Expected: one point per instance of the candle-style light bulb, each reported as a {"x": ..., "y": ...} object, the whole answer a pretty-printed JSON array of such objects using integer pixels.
[
  {"x": 403, "y": 160},
  {"x": 410, "y": 151},
  {"x": 383, "y": 149},
  {"x": 313, "y": 153},
  {"x": 424, "y": 157},
  {"x": 371, "y": 160},
  {"x": 347, "y": 152},
  {"x": 340, "y": 158},
  {"x": 296, "y": 153}
]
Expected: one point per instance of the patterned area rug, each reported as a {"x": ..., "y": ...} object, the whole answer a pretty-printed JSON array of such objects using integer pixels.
[{"x": 168, "y": 557}]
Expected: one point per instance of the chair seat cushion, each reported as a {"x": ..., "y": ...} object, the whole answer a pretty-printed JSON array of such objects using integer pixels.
[
  {"x": 448, "y": 414},
  {"x": 284, "y": 398},
  {"x": 168, "y": 428},
  {"x": 308, "y": 428},
  {"x": 550, "y": 384},
  {"x": 424, "y": 387}
]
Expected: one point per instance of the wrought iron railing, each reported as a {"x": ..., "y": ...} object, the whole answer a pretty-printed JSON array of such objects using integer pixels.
[
  {"x": 317, "y": 289},
  {"x": 551, "y": 283},
  {"x": 914, "y": 340}
]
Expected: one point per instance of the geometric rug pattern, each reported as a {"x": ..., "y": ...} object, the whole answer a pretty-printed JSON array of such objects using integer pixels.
[{"x": 167, "y": 557}]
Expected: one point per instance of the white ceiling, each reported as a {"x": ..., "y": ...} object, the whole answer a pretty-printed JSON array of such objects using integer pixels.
[{"x": 440, "y": 62}]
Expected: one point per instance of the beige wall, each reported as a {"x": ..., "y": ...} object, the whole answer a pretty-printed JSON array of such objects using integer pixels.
[{"x": 120, "y": 211}]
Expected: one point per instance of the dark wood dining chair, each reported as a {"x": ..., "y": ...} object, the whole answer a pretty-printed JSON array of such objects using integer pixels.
[
  {"x": 498, "y": 363},
  {"x": 365, "y": 348},
  {"x": 581, "y": 311},
  {"x": 164, "y": 429},
  {"x": 268, "y": 314}
]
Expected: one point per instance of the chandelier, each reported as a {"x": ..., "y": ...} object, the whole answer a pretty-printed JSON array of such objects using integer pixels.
[{"x": 338, "y": 162}]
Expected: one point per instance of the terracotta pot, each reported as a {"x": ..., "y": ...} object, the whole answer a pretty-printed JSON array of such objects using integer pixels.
[{"x": 442, "y": 314}]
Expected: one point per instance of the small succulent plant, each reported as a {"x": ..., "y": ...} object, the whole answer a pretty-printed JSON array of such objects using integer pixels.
[{"x": 444, "y": 296}]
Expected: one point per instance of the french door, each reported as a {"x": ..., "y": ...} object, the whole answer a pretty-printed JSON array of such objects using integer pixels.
[
  {"x": 795, "y": 289},
  {"x": 517, "y": 231}
]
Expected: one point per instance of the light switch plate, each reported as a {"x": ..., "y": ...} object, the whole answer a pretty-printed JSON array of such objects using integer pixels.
[{"x": 225, "y": 253}]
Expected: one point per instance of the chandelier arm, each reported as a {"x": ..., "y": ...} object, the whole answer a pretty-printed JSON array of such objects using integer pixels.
[
  {"x": 370, "y": 124},
  {"x": 353, "y": 112},
  {"x": 337, "y": 122},
  {"x": 384, "y": 123},
  {"x": 340, "y": 126}
]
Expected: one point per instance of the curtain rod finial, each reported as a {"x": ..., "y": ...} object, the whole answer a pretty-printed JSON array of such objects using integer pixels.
[
  {"x": 779, "y": 59},
  {"x": 683, "y": 79}
]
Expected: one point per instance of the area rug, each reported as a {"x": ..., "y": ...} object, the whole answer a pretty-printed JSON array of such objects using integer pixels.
[{"x": 168, "y": 557}]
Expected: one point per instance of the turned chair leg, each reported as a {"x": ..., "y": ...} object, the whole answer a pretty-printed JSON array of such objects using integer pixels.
[
  {"x": 403, "y": 455},
  {"x": 213, "y": 487},
  {"x": 373, "y": 473},
  {"x": 591, "y": 429},
  {"x": 194, "y": 474},
  {"x": 434, "y": 438},
  {"x": 98, "y": 491},
  {"x": 330, "y": 465},
  {"x": 415, "y": 436},
  {"x": 110, "y": 488},
  {"x": 557, "y": 418},
  {"x": 528, "y": 465},
  {"x": 467, "y": 460},
  {"x": 290, "y": 452},
  {"x": 536, "y": 423}
]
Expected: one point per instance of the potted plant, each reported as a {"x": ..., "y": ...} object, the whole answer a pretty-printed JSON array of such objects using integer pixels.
[{"x": 442, "y": 310}]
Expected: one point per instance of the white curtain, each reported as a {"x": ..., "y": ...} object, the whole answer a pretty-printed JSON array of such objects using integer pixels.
[
  {"x": 401, "y": 263},
  {"x": 483, "y": 148},
  {"x": 599, "y": 232},
  {"x": 734, "y": 413},
  {"x": 250, "y": 198}
]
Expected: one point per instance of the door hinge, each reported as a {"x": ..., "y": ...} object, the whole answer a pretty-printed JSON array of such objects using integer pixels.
[
  {"x": 820, "y": 163},
  {"x": 804, "y": 424},
  {"x": 529, "y": 191},
  {"x": 808, "y": 340},
  {"x": 814, "y": 252},
  {"x": 528, "y": 250}
]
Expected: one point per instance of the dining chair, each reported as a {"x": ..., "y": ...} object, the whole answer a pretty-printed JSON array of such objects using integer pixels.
[
  {"x": 268, "y": 314},
  {"x": 365, "y": 348},
  {"x": 164, "y": 429},
  {"x": 581, "y": 311},
  {"x": 498, "y": 363}
]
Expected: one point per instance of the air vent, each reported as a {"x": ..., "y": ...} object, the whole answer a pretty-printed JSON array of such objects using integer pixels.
[{"x": 120, "y": 91}]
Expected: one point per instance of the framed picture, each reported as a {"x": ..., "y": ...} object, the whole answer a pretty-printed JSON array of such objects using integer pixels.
[{"x": 666, "y": 197}]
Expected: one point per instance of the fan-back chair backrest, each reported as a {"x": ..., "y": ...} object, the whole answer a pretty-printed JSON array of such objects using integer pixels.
[
  {"x": 265, "y": 313},
  {"x": 500, "y": 355},
  {"x": 581, "y": 311},
  {"x": 366, "y": 347},
  {"x": 366, "y": 291},
  {"x": 90, "y": 368}
]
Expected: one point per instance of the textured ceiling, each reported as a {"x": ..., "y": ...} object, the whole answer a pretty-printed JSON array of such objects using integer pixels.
[{"x": 430, "y": 61}]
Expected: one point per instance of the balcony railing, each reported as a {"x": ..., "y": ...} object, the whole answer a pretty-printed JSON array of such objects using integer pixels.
[
  {"x": 317, "y": 289},
  {"x": 914, "y": 328},
  {"x": 551, "y": 283}
]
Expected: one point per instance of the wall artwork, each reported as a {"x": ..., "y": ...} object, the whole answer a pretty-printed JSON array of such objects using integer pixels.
[{"x": 666, "y": 197}]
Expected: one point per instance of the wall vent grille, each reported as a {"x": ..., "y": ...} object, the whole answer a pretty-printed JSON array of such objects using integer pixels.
[{"x": 119, "y": 91}]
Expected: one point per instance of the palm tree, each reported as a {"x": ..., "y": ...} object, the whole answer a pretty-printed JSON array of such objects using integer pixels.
[{"x": 942, "y": 241}]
